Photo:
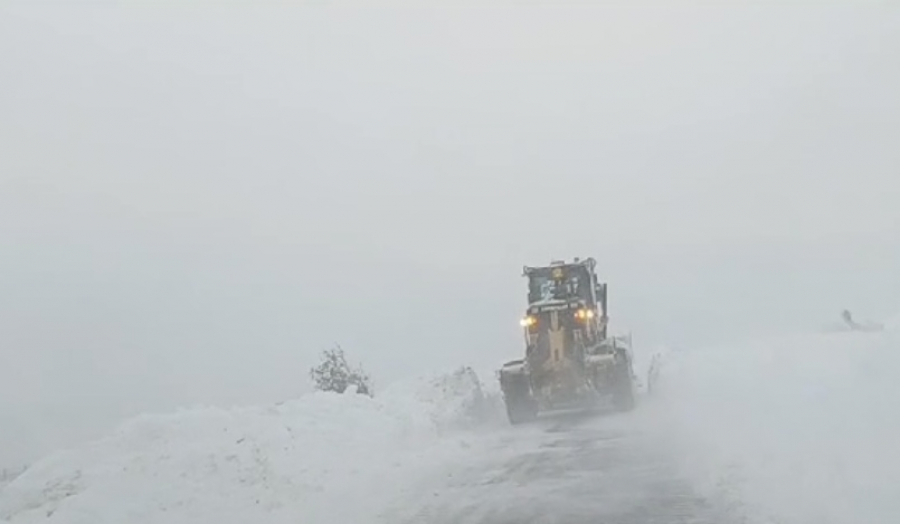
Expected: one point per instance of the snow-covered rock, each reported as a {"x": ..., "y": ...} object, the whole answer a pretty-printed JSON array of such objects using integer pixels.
[{"x": 323, "y": 458}]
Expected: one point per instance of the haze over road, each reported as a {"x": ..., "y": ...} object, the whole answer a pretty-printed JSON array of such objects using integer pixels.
[{"x": 569, "y": 468}]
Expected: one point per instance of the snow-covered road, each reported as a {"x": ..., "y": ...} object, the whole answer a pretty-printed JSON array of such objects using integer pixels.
[
  {"x": 568, "y": 468},
  {"x": 791, "y": 431}
]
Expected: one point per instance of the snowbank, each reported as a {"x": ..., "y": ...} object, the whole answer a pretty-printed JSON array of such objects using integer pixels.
[
  {"x": 7, "y": 475},
  {"x": 324, "y": 458},
  {"x": 457, "y": 400},
  {"x": 797, "y": 430}
]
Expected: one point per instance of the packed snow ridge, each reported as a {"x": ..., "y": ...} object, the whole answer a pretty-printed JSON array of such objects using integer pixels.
[{"x": 322, "y": 458}]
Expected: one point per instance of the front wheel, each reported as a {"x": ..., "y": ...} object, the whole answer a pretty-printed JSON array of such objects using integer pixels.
[
  {"x": 623, "y": 391},
  {"x": 520, "y": 406}
]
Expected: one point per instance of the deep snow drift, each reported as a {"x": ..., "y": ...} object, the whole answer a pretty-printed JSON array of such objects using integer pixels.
[
  {"x": 322, "y": 458},
  {"x": 801, "y": 429}
]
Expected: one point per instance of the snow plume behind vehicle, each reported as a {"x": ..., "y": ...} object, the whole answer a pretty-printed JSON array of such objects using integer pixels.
[
  {"x": 324, "y": 458},
  {"x": 800, "y": 429}
]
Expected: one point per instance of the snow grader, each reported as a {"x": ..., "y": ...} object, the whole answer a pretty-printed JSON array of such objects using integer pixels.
[{"x": 570, "y": 361}]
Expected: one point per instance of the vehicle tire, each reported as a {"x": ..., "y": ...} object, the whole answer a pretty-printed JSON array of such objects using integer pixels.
[
  {"x": 520, "y": 413},
  {"x": 520, "y": 410},
  {"x": 623, "y": 391},
  {"x": 624, "y": 400}
]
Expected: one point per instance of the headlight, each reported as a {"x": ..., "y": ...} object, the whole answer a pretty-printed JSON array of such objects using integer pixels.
[
  {"x": 584, "y": 314},
  {"x": 527, "y": 321}
]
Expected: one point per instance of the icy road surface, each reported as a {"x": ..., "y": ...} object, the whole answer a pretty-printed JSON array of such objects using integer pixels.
[{"x": 568, "y": 468}]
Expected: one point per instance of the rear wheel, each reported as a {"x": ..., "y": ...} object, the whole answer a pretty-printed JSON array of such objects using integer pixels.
[{"x": 624, "y": 400}]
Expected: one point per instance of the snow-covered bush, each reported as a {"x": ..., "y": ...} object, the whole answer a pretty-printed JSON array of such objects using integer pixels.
[{"x": 335, "y": 374}]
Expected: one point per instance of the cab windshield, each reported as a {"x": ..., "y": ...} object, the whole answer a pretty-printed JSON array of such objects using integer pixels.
[{"x": 547, "y": 284}]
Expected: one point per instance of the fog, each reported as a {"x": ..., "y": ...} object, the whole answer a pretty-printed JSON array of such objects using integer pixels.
[{"x": 196, "y": 200}]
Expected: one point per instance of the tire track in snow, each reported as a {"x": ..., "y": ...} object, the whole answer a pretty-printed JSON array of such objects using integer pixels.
[{"x": 566, "y": 469}]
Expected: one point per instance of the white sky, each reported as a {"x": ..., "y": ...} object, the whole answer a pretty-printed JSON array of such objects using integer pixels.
[{"x": 195, "y": 200}]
